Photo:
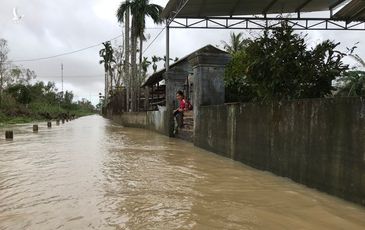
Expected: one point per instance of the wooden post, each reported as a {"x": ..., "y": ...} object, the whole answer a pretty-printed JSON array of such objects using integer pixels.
[
  {"x": 35, "y": 128},
  {"x": 49, "y": 124},
  {"x": 9, "y": 135}
]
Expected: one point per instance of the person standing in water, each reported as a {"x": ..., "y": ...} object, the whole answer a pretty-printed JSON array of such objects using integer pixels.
[{"x": 179, "y": 112}]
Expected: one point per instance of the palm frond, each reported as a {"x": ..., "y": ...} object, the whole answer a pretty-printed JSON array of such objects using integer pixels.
[
  {"x": 121, "y": 10},
  {"x": 358, "y": 59}
]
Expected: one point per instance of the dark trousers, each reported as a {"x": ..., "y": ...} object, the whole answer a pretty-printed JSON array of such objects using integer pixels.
[{"x": 179, "y": 117}]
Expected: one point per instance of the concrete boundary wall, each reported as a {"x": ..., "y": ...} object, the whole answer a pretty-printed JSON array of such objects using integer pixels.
[
  {"x": 317, "y": 142},
  {"x": 131, "y": 119},
  {"x": 153, "y": 120},
  {"x": 158, "y": 121}
]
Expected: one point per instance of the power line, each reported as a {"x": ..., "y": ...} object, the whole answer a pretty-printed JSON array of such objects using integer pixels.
[
  {"x": 73, "y": 76},
  {"x": 64, "y": 54},
  {"x": 79, "y": 50},
  {"x": 154, "y": 40}
]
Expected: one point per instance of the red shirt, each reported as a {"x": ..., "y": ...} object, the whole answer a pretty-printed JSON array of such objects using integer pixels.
[{"x": 183, "y": 105}]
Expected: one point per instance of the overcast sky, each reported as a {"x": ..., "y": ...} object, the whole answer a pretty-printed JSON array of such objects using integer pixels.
[{"x": 58, "y": 26}]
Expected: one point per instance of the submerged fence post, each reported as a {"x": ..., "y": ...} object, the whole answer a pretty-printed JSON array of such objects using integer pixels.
[
  {"x": 49, "y": 124},
  {"x": 9, "y": 135},
  {"x": 35, "y": 128},
  {"x": 63, "y": 121},
  {"x": 58, "y": 122}
]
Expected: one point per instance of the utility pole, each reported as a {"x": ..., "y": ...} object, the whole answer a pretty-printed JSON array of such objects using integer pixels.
[
  {"x": 62, "y": 78},
  {"x": 167, "y": 64}
]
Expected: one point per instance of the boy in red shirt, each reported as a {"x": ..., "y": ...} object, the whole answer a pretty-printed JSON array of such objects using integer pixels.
[{"x": 179, "y": 112}]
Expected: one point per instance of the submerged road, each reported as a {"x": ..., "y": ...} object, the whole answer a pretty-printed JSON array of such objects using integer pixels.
[{"x": 91, "y": 174}]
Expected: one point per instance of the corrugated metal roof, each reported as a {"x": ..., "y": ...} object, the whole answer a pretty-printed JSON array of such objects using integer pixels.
[
  {"x": 353, "y": 11},
  {"x": 205, "y": 8}
]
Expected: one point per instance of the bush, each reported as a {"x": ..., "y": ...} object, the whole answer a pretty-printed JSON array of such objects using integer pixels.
[
  {"x": 352, "y": 83},
  {"x": 280, "y": 66}
]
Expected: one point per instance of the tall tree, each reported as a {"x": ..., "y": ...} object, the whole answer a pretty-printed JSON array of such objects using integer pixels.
[
  {"x": 236, "y": 43},
  {"x": 145, "y": 64},
  {"x": 107, "y": 54},
  {"x": 139, "y": 9},
  {"x": 119, "y": 74},
  {"x": 155, "y": 59},
  {"x": 123, "y": 15},
  {"x": 4, "y": 50}
]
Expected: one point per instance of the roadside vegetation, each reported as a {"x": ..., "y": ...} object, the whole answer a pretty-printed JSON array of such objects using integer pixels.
[
  {"x": 125, "y": 66},
  {"x": 280, "y": 65},
  {"x": 24, "y": 99}
]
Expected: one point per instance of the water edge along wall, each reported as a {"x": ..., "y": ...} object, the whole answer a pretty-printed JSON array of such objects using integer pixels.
[
  {"x": 152, "y": 120},
  {"x": 316, "y": 142}
]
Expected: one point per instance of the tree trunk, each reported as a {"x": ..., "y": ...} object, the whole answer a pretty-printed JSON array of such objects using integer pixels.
[
  {"x": 1, "y": 88},
  {"x": 140, "y": 69},
  {"x": 140, "y": 50},
  {"x": 106, "y": 89},
  {"x": 134, "y": 67},
  {"x": 126, "y": 63},
  {"x": 111, "y": 80}
]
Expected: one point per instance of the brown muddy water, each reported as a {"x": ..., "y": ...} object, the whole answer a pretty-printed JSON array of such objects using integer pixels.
[{"x": 92, "y": 174}]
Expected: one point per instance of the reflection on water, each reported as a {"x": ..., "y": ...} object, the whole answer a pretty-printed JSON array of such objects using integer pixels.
[{"x": 91, "y": 174}]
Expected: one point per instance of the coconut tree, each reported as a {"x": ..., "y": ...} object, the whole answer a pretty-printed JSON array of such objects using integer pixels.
[
  {"x": 139, "y": 9},
  {"x": 236, "y": 43},
  {"x": 106, "y": 54},
  {"x": 155, "y": 59},
  {"x": 145, "y": 64},
  {"x": 164, "y": 59}
]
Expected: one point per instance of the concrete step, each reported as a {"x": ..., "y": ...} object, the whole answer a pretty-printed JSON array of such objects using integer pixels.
[
  {"x": 188, "y": 120},
  {"x": 188, "y": 127},
  {"x": 188, "y": 114},
  {"x": 185, "y": 134}
]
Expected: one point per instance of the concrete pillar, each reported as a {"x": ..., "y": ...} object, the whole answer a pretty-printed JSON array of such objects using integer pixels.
[
  {"x": 35, "y": 128},
  {"x": 63, "y": 121},
  {"x": 58, "y": 122},
  {"x": 208, "y": 72},
  {"x": 49, "y": 124},
  {"x": 9, "y": 135}
]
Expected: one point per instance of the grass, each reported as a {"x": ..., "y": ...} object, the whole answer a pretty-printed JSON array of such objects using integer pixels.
[{"x": 34, "y": 111}]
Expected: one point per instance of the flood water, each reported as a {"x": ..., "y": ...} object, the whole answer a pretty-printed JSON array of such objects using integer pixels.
[{"x": 92, "y": 174}]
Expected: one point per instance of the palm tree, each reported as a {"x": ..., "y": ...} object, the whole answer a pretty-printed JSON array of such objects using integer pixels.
[
  {"x": 164, "y": 59},
  {"x": 236, "y": 43},
  {"x": 140, "y": 9},
  {"x": 145, "y": 64},
  {"x": 107, "y": 54},
  {"x": 155, "y": 59}
]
